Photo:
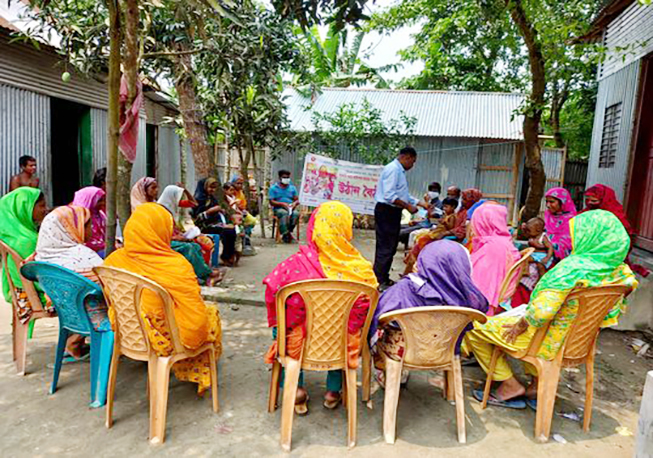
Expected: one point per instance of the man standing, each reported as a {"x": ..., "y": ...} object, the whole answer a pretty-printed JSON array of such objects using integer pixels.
[
  {"x": 391, "y": 197},
  {"x": 26, "y": 176},
  {"x": 283, "y": 197}
]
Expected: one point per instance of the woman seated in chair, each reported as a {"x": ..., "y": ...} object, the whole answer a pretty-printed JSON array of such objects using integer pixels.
[
  {"x": 329, "y": 254},
  {"x": 147, "y": 252},
  {"x": 21, "y": 213},
  {"x": 144, "y": 190},
  {"x": 94, "y": 199},
  {"x": 493, "y": 252},
  {"x": 210, "y": 218},
  {"x": 192, "y": 249},
  {"x": 600, "y": 245},
  {"x": 443, "y": 277},
  {"x": 61, "y": 241}
]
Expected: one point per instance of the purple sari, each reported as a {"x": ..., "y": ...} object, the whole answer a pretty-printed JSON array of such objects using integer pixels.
[{"x": 444, "y": 277}]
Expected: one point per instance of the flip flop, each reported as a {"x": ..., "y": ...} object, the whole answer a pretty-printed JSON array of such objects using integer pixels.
[
  {"x": 532, "y": 403},
  {"x": 333, "y": 404},
  {"x": 302, "y": 408},
  {"x": 516, "y": 403}
]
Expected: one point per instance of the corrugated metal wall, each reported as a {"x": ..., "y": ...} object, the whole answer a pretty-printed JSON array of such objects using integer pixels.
[
  {"x": 628, "y": 38},
  {"x": 169, "y": 159},
  {"x": 24, "y": 130},
  {"x": 99, "y": 137},
  {"x": 449, "y": 161},
  {"x": 140, "y": 167},
  {"x": 620, "y": 87}
]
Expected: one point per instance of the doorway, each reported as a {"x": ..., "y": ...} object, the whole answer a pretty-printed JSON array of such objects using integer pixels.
[
  {"x": 640, "y": 201},
  {"x": 71, "y": 149},
  {"x": 151, "y": 149}
]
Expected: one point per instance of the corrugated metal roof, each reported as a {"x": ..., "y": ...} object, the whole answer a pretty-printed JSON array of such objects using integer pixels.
[{"x": 438, "y": 113}]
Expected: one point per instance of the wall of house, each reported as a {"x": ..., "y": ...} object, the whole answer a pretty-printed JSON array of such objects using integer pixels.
[
  {"x": 24, "y": 130},
  {"x": 628, "y": 38},
  {"x": 620, "y": 87}
]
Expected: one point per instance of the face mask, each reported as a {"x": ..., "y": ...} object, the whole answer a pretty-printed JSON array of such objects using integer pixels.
[
  {"x": 433, "y": 195},
  {"x": 285, "y": 181}
]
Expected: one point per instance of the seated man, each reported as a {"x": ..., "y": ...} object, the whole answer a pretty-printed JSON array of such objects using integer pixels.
[
  {"x": 284, "y": 200},
  {"x": 433, "y": 206},
  {"x": 27, "y": 176}
]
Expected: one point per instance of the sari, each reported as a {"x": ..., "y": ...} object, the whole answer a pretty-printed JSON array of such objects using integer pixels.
[
  {"x": 329, "y": 254},
  {"x": 494, "y": 252},
  {"x": 608, "y": 201},
  {"x": 557, "y": 224},
  {"x": 193, "y": 251},
  {"x": 138, "y": 195},
  {"x": 471, "y": 197},
  {"x": 443, "y": 277},
  {"x": 89, "y": 197},
  {"x": 147, "y": 252},
  {"x": 61, "y": 242},
  {"x": 18, "y": 231},
  {"x": 600, "y": 245}
]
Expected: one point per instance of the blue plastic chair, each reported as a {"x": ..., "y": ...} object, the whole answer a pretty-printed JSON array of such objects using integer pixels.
[{"x": 69, "y": 293}]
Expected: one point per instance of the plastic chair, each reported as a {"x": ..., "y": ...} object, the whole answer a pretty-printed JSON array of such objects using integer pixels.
[
  {"x": 515, "y": 273},
  {"x": 20, "y": 330},
  {"x": 69, "y": 293},
  {"x": 215, "y": 256},
  {"x": 578, "y": 348},
  {"x": 276, "y": 234},
  {"x": 328, "y": 305},
  {"x": 430, "y": 335},
  {"x": 123, "y": 291}
]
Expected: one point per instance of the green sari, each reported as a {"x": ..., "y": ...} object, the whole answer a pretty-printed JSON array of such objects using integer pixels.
[{"x": 17, "y": 230}]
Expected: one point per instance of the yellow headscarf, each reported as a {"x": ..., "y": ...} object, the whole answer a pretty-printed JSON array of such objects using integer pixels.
[
  {"x": 147, "y": 252},
  {"x": 332, "y": 236}
]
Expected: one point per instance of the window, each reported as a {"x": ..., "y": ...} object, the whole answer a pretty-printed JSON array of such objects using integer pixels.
[{"x": 611, "y": 123}]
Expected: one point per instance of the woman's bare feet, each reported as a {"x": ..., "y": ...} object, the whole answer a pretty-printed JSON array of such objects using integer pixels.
[
  {"x": 510, "y": 389},
  {"x": 216, "y": 277},
  {"x": 301, "y": 401}
]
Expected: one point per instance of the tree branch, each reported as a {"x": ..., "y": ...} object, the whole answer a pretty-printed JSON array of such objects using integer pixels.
[{"x": 148, "y": 55}]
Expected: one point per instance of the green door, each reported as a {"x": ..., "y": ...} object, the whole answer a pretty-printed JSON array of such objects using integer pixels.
[{"x": 85, "y": 148}]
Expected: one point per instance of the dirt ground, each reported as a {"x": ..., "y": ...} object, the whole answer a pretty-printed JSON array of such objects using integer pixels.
[{"x": 33, "y": 423}]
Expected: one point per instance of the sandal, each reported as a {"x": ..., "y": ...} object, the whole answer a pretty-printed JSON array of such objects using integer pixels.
[
  {"x": 517, "y": 403},
  {"x": 301, "y": 408},
  {"x": 332, "y": 404},
  {"x": 532, "y": 403}
]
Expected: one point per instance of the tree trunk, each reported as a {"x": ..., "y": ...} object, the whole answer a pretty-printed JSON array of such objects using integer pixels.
[
  {"x": 191, "y": 114},
  {"x": 131, "y": 67},
  {"x": 533, "y": 112},
  {"x": 558, "y": 99},
  {"x": 258, "y": 176},
  {"x": 244, "y": 166},
  {"x": 113, "y": 134}
]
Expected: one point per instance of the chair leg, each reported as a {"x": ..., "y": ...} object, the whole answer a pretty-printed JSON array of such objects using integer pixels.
[
  {"x": 367, "y": 372},
  {"x": 111, "y": 389},
  {"x": 490, "y": 374},
  {"x": 58, "y": 358},
  {"x": 460, "y": 400},
  {"x": 293, "y": 367},
  {"x": 589, "y": 391},
  {"x": 105, "y": 350},
  {"x": 160, "y": 388},
  {"x": 345, "y": 390},
  {"x": 214, "y": 381},
  {"x": 392, "y": 387},
  {"x": 273, "y": 396},
  {"x": 350, "y": 381},
  {"x": 20, "y": 346},
  {"x": 547, "y": 387},
  {"x": 451, "y": 386}
]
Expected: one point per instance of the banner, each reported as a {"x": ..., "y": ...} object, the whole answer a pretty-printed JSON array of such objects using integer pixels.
[{"x": 326, "y": 179}]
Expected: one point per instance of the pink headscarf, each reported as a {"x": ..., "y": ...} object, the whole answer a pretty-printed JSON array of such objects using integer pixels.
[
  {"x": 557, "y": 225},
  {"x": 89, "y": 197},
  {"x": 494, "y": 252}
]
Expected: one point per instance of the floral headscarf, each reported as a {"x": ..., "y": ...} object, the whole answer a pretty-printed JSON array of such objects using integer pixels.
[{"x": 557, "y": 224}]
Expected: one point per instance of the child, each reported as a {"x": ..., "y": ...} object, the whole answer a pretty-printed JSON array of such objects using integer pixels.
[
  {"x": 440, "y": 231},
  {"x": 537, "y": 238}
]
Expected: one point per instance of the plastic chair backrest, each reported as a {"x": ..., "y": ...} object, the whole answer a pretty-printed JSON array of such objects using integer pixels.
[
  {"x": 593, "y": 305},
  {"x": 7, "y": 252},
  {"x": 514, "y": 274},
  {"x": 431, "y": 333},
  {"x": 123, "y": 291},
  {"x": 328, "y": 306},
  {"x": 68, "y": 291}
]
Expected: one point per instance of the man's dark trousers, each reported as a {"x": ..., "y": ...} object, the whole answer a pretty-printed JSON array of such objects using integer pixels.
[{"x": 387, "y": 219}]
